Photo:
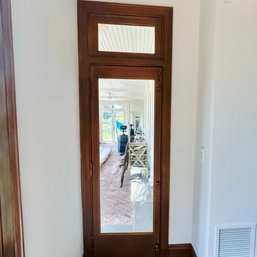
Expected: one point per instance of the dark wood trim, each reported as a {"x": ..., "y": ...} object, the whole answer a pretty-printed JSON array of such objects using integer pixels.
[
  {"x": 193, "y": 253},
  {"x": 181, "y": 250},
  {"x": 166, "y": 136},
  {"x": 1, "y": 235},
  {"x": 10, "y": 197},
  {"x": 87, "y": 58}
]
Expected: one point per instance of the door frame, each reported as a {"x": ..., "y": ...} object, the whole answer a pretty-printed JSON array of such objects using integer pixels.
[
  {"x": 89, "y": 57},
  {"x": 11, "y": 226}
]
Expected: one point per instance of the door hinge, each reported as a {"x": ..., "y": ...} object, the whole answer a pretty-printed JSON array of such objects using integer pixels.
[
  {"x": 159, "y": 79},
  {"x": 157, "y": 250}
]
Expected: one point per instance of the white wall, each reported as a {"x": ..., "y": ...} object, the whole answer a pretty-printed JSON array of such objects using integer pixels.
[
  {"x": 232, "y": 131},
  {"x": 45, "y": 48},
  {"x": 203, "y": 146},
  {"x": 233, "y": 196}
]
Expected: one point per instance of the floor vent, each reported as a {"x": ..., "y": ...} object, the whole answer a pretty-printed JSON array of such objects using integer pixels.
[
  {"x": 236, "y": 241},
  {"x": 240, "y": 1}
]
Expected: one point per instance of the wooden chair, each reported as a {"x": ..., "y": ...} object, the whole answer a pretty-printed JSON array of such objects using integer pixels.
[{"x": 138, "y": 155}]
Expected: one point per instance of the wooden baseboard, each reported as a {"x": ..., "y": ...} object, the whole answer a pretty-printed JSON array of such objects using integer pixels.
[
  {"x": 181, "y": 250},
  {"x": 193, "y": 254}
]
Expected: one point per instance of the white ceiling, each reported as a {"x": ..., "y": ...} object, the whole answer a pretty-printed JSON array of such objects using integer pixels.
[{"x": 122, "y": 89}]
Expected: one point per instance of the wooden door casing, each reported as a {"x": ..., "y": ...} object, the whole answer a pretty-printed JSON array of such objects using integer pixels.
[
  {"x": 89, "y": 57},
  {"x": 10, "y": 201},
  {"x": 1, "y": 235}
]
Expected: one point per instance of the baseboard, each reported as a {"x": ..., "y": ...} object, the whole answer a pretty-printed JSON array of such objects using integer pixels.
[
  {"x": 193, "y": 254},
  {"x": 181, "y": 250}
]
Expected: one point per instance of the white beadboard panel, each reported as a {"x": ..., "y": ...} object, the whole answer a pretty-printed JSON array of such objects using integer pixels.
[{"x": 126, "y": 39}]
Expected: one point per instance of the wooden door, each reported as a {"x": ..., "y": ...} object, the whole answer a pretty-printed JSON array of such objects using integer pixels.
[{"x": 139, "y": 237}]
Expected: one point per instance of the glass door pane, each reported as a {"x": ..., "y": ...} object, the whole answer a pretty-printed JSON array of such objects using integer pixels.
[
  {"x": 106, "y": 123},
  {"x": 127, "y": 164},
  {"x": 119, "y": 121},
  {"x": 120, "y": 116}
]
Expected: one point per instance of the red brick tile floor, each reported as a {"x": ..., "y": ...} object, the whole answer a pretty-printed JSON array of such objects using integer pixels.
[
  {"x": 121, "y": 209},
  {"x": 116, "y": 206}
]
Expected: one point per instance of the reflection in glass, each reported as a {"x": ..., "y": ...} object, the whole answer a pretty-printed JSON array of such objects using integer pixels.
[
  {"x": 126, "y": 122},
  {"x": 126, "y": 39},
  {"x": 107, "y": 126}
]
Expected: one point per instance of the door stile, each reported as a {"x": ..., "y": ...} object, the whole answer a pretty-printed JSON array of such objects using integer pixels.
[{"x": 157, "y": 151}]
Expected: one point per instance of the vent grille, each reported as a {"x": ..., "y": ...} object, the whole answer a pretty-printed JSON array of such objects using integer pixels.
[
  {"x": 240, "y": 1},
  {"x": 236, "y": 241}
]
